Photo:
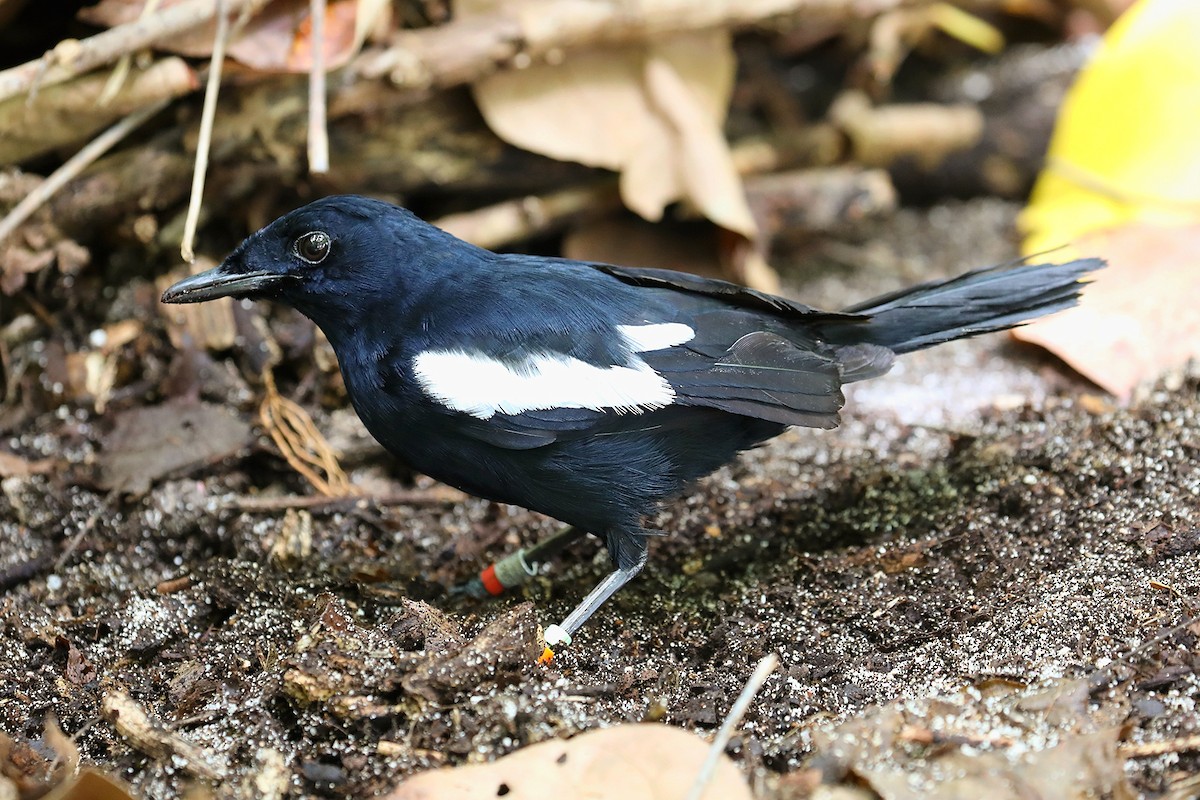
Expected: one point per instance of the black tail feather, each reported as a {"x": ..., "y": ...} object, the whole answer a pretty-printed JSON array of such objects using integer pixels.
[{"x": 982, "y": 301}]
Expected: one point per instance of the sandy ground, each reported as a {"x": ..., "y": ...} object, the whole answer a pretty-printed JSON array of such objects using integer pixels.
[{"x": 983, "y": 583}]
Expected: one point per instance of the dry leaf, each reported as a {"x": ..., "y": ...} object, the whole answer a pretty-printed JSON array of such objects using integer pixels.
[
  {"x": 700, "y": 249},
  {"x": 30, "y": 769},
  {"x": 507, "y": 644},
  {"x": 280, "y": 38},
  {"x": 150, "y": 443},
  {"x": 276, "y": 39},
  {"x": 1140, "y": 316},
  {"x": 997, "y": 739},
  {"x": 34, "y": 247},
  {"x": 630, "y": 762},
  {"x": 1121, "y": 181},
  {"x": 1124, "y": 146},
  {"x": 652, "y": 111},
  {"x": 1078, "y": 766},
  {"x": 91, "y": 784}
]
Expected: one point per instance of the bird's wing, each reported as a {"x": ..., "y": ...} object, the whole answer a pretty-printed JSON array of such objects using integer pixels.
[
  {"x": 761, "y": 375},
  {"x": 549, "y": 387},
  {"x": 729, "y": 294}
]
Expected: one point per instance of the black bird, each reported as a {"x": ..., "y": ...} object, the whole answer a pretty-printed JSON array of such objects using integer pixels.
[{"x": 588, "y": 392}]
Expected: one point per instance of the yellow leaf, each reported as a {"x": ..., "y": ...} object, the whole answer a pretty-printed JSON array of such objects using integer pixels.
[
  {"x": 1122, "y": 181},
  {"x": 1125, "y": 146}
]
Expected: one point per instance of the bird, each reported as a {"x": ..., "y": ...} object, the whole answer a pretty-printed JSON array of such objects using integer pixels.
[{"x": 588, "y": 392}]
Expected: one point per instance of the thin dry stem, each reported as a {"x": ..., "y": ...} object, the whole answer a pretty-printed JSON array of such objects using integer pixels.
[
  {"x": 318, "y": 135},
  {"x": 1151, "y": 749},
  {"x": 207, "y": 115},
  {"x": 757, "y": 678},
  {"x": 121, "y": 70}
]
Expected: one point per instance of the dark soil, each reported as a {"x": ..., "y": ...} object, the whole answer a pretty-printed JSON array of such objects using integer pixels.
[{"x": 982, "y": 526}]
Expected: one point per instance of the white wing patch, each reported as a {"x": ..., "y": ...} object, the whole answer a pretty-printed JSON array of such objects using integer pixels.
[
  {"x": 481, "y": 386},
  {"x": 656, "y": 336}
]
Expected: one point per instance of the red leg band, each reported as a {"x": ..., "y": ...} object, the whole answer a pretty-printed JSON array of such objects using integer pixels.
[{"x": 490, "y": 581}]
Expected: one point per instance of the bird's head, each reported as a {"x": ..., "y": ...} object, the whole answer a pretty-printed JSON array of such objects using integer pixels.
[{"x": 331, "y": 260}]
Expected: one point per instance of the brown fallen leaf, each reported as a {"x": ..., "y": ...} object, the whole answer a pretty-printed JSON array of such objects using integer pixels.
[
  {"x": 277, "y": 39},
  {"x": 998, "y": 739},
  {"x": 418, "y": 625},
  {"x": 29, "y": 769},
  {"x": 91, "y": 784},
  {"x": 34, "y": 247},
  {"x": 629, "y": 762},
  {"x": 625, "y": 239},
  {"x": 147, "y": 444},
  {"x": 1140, "y": 316}
]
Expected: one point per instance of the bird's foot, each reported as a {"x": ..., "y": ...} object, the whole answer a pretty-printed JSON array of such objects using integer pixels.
[{"x": 554, "y": 636}]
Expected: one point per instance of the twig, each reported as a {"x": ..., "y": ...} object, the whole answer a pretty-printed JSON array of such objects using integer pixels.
[
  {"x": 469, "y": 48},
  {"x": 21, "y": 573},
  {"x": 67, "y": 61},
  {"x": 121, "y": 70},
  {"x": 318, "y": 135},
  {"x": 73, "y": 543},
  {"x": 524, "y": 217},
  {"x": 320, "y": 504},
  {"x": 204, "y": 142},
  {"x": 1126, "y": 660},
  {"x": 154, "y": 739},
  {"x": 75, "y": 165},
  {"x": 1150, "y": 749},
  {"x": 732, "y": 719}
]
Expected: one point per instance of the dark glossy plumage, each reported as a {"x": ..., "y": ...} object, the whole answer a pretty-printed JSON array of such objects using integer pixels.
[{"x": 586, "y": 392}]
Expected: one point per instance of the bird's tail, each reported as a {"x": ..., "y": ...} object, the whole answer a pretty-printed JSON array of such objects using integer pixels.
[{"x": 985, "y": 300}]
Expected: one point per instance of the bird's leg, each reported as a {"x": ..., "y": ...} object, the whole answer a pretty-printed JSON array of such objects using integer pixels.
[
  {"x": 516, "y": 568},
  {"x": 561, "y": 634}
]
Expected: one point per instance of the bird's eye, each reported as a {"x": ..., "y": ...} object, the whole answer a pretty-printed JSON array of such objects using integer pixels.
[{"x": 313, "y": 246}]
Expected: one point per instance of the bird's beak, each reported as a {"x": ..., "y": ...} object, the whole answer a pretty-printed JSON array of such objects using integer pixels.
[{"x": 221, "y": 282}]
